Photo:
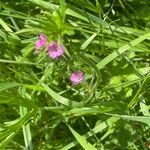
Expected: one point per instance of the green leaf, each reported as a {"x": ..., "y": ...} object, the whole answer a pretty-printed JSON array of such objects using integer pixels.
[
  {"x": 82, "y": 140},
  {"x": 92, "y": 65},
  {"x": 59, "y": 98},
  {"x": 7, "y": 85},
  {"x": 6, "y": 27},
  {"x": 126, "y": 47},
  {"x": 88, "y": 110},
  {"x": 26, "y": 130},
  {"x": 16, "y": 100},
  {"x": 16, "y": 62},
  {"x": 13, "y": 127},
  {"x": 135, "y": 99},
  {"x": 142, "y": 119},
  {"x": 80, "y": 14},
  {"x": 98, "y": 128},
  {"x": 88, "y": 41},
  {"x": 46, "y": 5}
]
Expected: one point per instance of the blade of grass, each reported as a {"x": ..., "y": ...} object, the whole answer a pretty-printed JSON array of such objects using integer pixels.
[
  {"x": 88, "y": 41},
  {"x": 126, "y": 47},
  {"x": 135, "y": 99},
  {"x": 87, "y": 111},
  {"x": 47, "y": 5},
  {"x": 8, "y": 85},
  {"x": 6, "y": 27},
  {"x": 26, "y": 130},
  {"x": 82, "y": 140},
  {"x": 6, "y": 141},
  {"x": 14, "y": 127},
  {"x": 16, "y": 62},
  {"x": 98, "y": 75},
  {"x": 16, "y": 100},
  {"x": 142, "y": 119},
  {"x": 98, "y": 128},
  {"x": 59, "y": 98}
]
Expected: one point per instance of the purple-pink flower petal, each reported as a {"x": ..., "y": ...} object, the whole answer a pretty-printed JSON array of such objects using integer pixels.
[
  {"x": 55, "y": 50},
  {"x": 77, "y": 77},
  {"x": 41, "y": 42}
]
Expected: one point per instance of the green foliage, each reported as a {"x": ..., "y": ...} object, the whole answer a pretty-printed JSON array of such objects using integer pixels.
[{"x": 41, "y": 109}]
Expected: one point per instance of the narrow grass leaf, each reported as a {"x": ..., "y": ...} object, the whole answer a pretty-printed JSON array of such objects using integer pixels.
[
  {"x": 7, "y": 85},
  {"x": 126, "y": 47},
  {"x": 87, "y": 111},
  {"x": 4, "y": 36},
  {"x": 15, "y": 100},
  {"x": 6, "y": 27},
  {"x": 98, "y": 128},
  {"x": 7, "y": 140},
  {"x": 26, "y": 130},
  {"x": 46, "y": 5},
  {"x": 142, "y": 119},
  {"x": 88, "y": 41},
  {"x": 82, "y": 140},
  {"x": 14, "y": 127},
  {"x": 136, "y": 99},
  {"x": 78, "y": 13},
  {"x": 92, "y": 65},
  {"x": 17, "y": 62},
  {"x": 59, "y": 98}
]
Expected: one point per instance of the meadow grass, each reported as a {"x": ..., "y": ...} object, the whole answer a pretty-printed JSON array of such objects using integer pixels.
[{"x": 74, "y": 74}]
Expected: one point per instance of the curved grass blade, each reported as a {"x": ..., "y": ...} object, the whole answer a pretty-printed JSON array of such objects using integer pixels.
[
  {"x": 59, "y": 98},
  {"x": 98, "y": 75},
  {"x": 82, "y": 140}
]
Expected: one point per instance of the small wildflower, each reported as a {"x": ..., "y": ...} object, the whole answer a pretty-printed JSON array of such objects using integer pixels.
[
  {"x": 41, "y": 42},
  {"x": 55, "y": 50},
  {"x": 77, "y": 77}
]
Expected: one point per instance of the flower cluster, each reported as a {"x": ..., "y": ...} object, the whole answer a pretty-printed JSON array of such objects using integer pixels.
[{"x": 55, "y": 50}]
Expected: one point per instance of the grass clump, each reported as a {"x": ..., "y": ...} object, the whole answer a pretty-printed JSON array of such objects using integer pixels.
[{"x": 74, "y": 74}]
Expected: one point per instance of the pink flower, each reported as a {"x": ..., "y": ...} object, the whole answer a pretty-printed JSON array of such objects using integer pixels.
[
  {"x": 77, "y": 77},
  {"x": 55, "y": 50},
  {"x": 41, "y": 42}
]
